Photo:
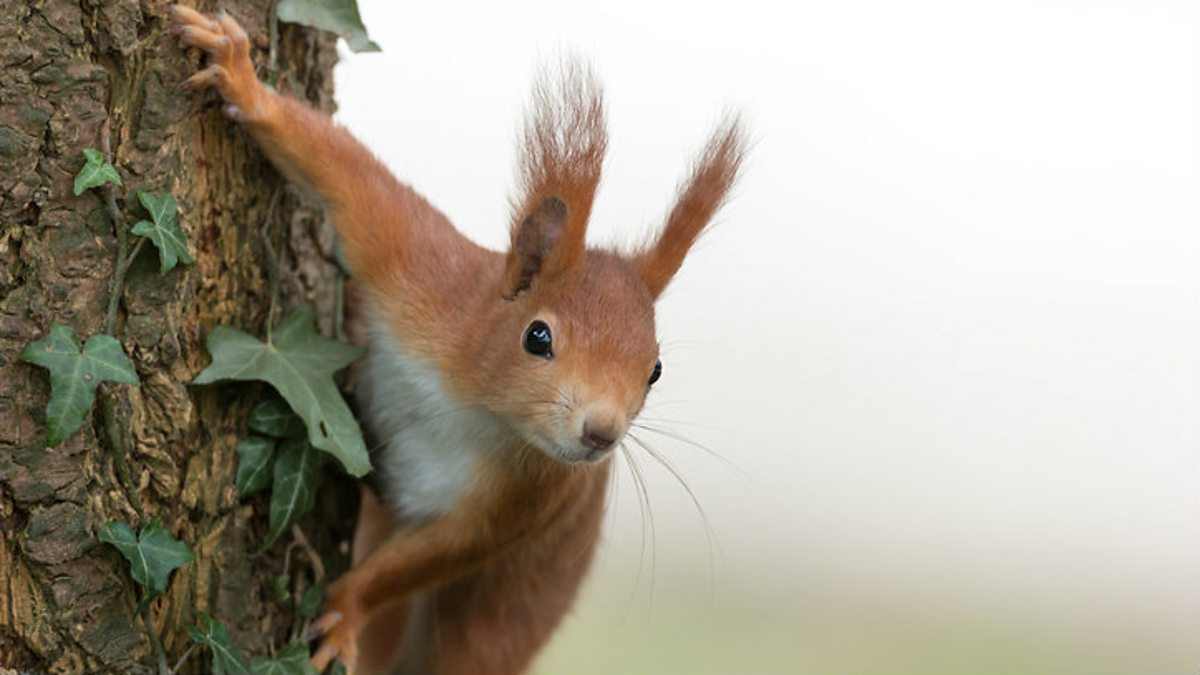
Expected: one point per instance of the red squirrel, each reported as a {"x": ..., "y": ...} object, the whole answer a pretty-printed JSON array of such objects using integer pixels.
[{"x": 499, "y": 382}]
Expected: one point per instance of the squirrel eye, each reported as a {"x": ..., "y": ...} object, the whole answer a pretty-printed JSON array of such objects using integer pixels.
[
  {"x": 656, "y": 374},
  {"x": 537, "y": 339}
]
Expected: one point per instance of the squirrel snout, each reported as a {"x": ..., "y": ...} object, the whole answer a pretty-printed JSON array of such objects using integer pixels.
[{"x": 599, "y": 436}]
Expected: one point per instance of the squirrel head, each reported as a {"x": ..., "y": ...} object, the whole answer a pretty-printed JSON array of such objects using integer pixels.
[
  {"x": 576, "y": 355},
  {"x": 572, "y": 342}
]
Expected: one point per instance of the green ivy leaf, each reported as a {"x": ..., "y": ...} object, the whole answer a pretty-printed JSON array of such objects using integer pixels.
[
  {"x": 297, "y": 475},
  {"x": 226, "y": 658},
  {"x": 310, "y": 602},
  {"x": 273, "y": 417},
  {"x": 163, "y": 231},
  {"x": 335, "y": 16},
  {"x": 74, "y": 376},
  {"x": 293, "y": 660},
  {"x": 254, "y": 463},
  {"x": 279, "y": 587},
  {"x": 153, "y": 554},
  {"x": 300, "y": 364},
  {"x": 96, "y": 171}
]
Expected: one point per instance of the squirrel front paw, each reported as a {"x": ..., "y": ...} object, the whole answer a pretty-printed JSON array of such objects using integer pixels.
[
  {"x": 338, "y": 629},
  {"x": 229, "y": 69}
]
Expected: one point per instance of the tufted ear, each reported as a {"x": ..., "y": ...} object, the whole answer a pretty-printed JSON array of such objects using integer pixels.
[
  {"x": 538, "y": 246},
  {"x": 700, "y": 197},
  {"x": 561, "y": 156}
]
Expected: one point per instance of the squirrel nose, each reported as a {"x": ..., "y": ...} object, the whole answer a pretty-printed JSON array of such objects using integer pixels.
[{"x": 599, "y": 437}]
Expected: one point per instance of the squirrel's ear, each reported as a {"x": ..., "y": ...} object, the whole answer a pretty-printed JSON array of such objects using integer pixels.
[
  {"x": 537, "y": 246},
  {"x": 562, "y": 152},
  {"x": 700, "y": 197}
]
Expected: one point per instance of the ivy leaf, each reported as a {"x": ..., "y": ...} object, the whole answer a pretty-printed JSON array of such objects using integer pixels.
[
  {"x": 310, "y": 602},
  {"x": 254, "y": 461},
  {"x": 296, "y": 477},
  {"x": 74, "y": 376},
  {"x": 163, "y": 231},
  {"x": 278, "y": 586},
  {"x": 273, "y": 417},
  {"x": 226, "y": 658},
  {"x": 293, "y": 660},
  {"x": 96, "y": 171},
  {"x": 335, "y": 16},
  {"x": 152, "y": 555},
  {"x": 300, "y": 364}
]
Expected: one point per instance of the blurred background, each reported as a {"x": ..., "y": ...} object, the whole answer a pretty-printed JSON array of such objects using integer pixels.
[{"x": 944, "y": 343}]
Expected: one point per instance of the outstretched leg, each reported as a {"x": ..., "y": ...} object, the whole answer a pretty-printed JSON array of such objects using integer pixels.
[
  {"x": 375, "y": 214},
  {"x": 382, "y": 635}
]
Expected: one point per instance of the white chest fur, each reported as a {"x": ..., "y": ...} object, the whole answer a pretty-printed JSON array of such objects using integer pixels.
[{"x": 430, "y": 442}]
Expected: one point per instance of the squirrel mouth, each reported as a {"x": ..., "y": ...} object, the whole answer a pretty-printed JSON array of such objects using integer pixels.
[
  {"x": 594, "y": 456},
  {"x": 567, "y": 453},
  {"x": 562, "y": 450}
]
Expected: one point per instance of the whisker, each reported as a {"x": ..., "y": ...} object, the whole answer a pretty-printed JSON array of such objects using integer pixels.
[
  {"x": 670, "y": 346},
  {"x": 714, "y": 548},
  {"x": 564, "y": 399},
  {"x": 647, "y": 512},
  {"x": 641, "y": 549},
  {"x": 654, "y": 403},
  {"x": 707, "y": 450},
  {"x": 667, "y": 420}
]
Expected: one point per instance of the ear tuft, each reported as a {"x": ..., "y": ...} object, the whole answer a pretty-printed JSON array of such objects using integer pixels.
[
  {"x": 700, "y": 197},
  {"x": 562, "y": 152}
]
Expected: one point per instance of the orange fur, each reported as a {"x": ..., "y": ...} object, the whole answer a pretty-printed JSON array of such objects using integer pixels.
[
  {"x": 479, "y": 586},
  {"x": 699, "y": 199}
]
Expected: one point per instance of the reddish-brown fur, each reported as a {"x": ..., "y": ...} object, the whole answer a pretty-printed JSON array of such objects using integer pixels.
[{"x": 503, "y": 566}]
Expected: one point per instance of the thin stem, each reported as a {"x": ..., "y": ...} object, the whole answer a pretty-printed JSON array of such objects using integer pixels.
[
  {"x": 339, "y": 307},
  {"x": 272, "y": 263},
  {"x": 273, "y": 49},
  {"x": 112, "y": 429},
  {"x": 314, "y": 559},
  {"x": 108, "y": 404},
  {"x": 287, "y": 556},
  {"x": 137, "y": 248},
  {"x": 301, "y": 625},
  {"x": 155, "y": 642},
  {"x": 114, "y": 213},
  {"x": 186, "y": 653}
]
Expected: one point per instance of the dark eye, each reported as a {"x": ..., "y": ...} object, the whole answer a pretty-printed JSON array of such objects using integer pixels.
[
  {"x": 537, "y": 339},
  {"x": 656, "y": 374}
]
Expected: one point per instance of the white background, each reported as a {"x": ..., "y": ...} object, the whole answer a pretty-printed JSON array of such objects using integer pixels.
[{"x": 947, "y": 332}]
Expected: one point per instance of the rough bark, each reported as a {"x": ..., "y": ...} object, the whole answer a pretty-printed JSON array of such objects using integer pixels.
[{"x": 69, "y": 68}]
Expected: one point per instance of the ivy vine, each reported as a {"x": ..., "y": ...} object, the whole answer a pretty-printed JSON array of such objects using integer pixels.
[{"x": 297, "y": 433}]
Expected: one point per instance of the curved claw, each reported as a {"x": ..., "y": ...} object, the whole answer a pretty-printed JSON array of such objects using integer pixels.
[
  {"x": 339, "y": 640},
  {"x": 181, "y": 15},
  {"x": 323, "y": 625},
  {"x": 212, "y": 42},
  {"x": 230, "y": 70},
  {"x": 210, "y": 76},
  {"x": 324, "y": 656}
]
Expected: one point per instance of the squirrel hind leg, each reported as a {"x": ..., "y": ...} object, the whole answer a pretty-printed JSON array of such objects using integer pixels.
[
  {"x": 382, "y": 640},
  {"x": 382, "y": 637},
  {"x": 375, "y": 524}
]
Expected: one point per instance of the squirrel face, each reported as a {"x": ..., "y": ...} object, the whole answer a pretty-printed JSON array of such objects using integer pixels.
[{"x": 569, "y": 361}]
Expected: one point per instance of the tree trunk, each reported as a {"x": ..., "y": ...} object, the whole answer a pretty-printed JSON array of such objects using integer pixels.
[{"x": 71, "y": 69}]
